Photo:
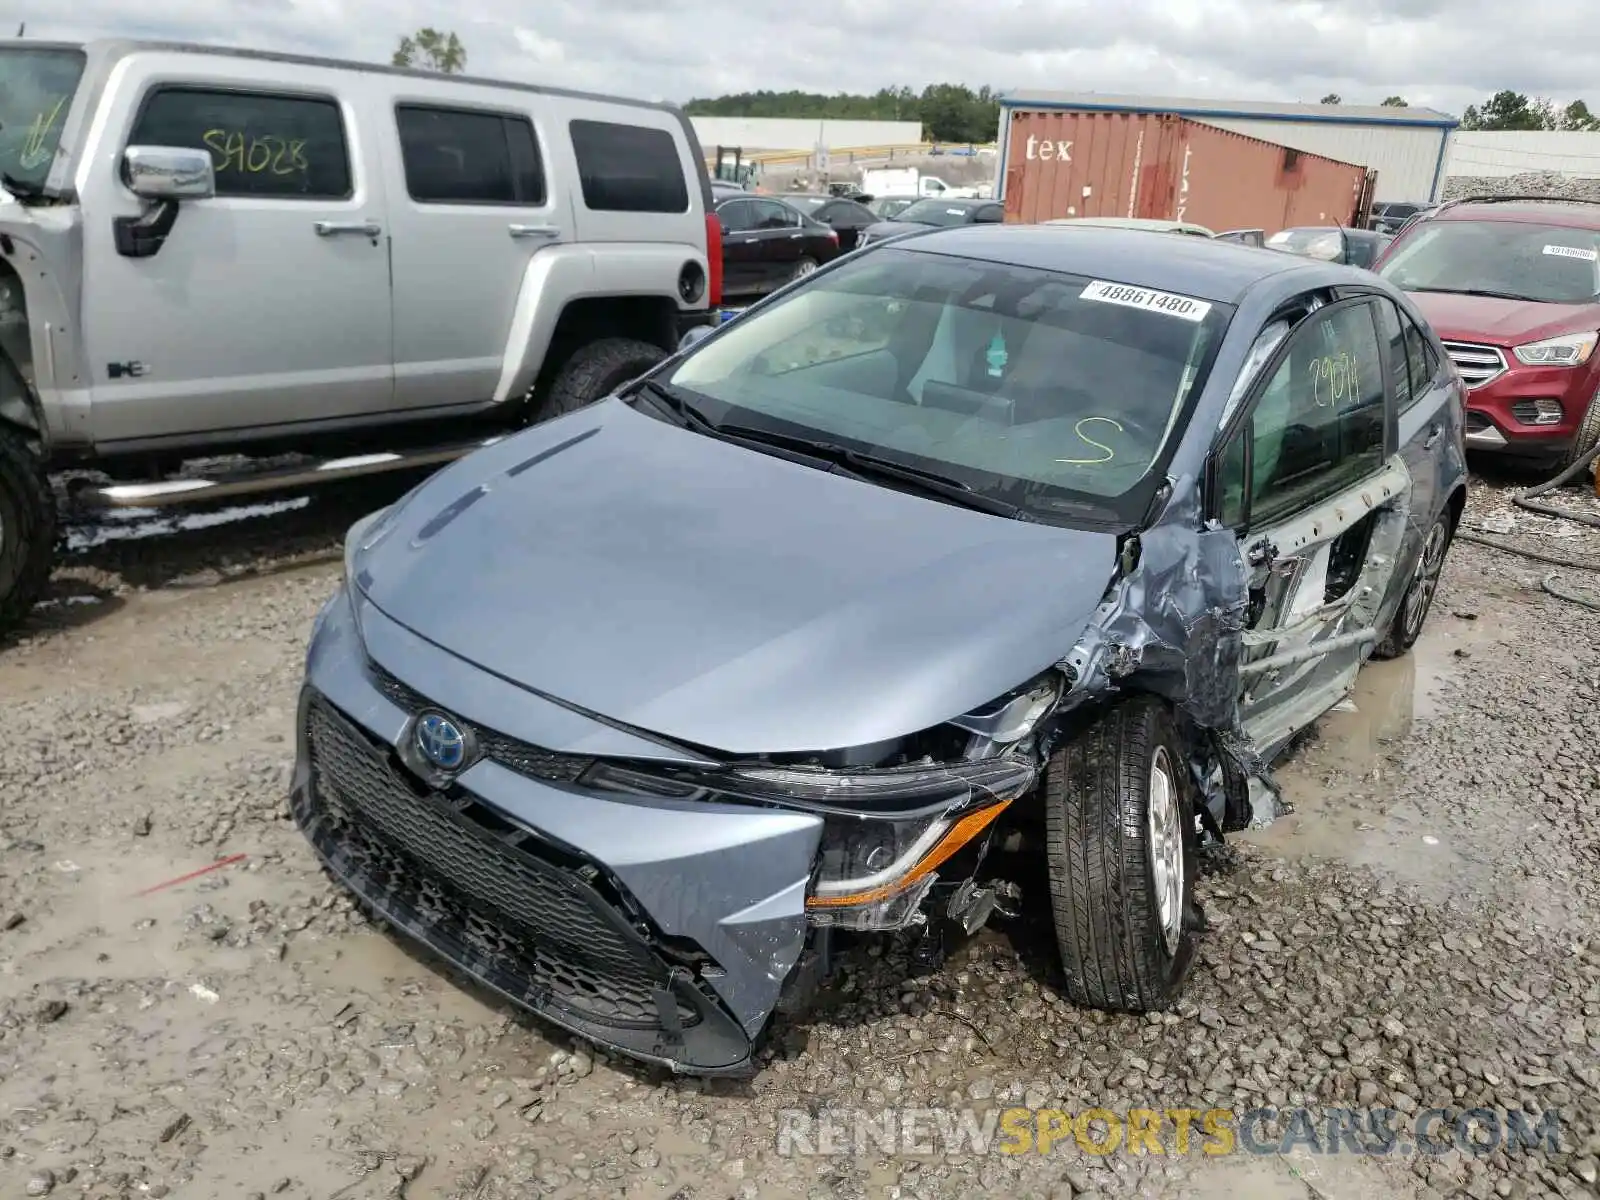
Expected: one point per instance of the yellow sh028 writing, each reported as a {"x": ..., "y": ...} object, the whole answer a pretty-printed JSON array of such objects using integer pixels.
[
  {"x": 266, "y": 154},
  {"x": 1334, "y": 377},
  {"x": 1092, "y": 462}
]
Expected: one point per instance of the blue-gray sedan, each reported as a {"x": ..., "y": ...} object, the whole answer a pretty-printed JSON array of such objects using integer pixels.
[{"x": 1053, "y": 537}]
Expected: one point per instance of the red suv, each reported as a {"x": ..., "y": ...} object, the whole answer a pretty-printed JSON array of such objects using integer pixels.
[{"x": 1512, "y": 287}]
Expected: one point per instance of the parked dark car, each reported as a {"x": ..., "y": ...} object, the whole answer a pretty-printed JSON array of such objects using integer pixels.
[
  {"x": 1388, "y": 216},
  {"x": 1040, "y": 537},
  {"x": 933, "y": 213},
  {"x": 889, "y": 207},
  {"x": 1330, "y": 243},
  {"x": 845, "y": 217},
  {"x": 766, "y": 242}
]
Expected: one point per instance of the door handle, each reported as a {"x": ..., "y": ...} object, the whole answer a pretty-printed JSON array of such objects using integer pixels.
[
  {"x": 751, "y": 241},
  {"x": 1432, "y": 440},
  {"x": 369, "y": 229},
  {"x": 796, "y": 236},
  {"x": 534, "y": 231}
]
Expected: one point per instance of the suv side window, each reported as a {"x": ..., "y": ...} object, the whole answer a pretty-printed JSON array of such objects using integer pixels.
[
  {"x": 268, "y": 146},
  {"x": 457, "y": 156},
  {"x": 1317, "y": 427},
  {"x": 628, "y": 168}
]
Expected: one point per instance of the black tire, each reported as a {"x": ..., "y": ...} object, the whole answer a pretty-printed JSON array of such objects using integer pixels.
[
  {"x": 1588, "y": 436},
  {"x": 593, "y": 372},
  {"x": 1412, "y": 613},
  {"x": 1115, "y": 951},
  {"x": 27, "y": 530}
]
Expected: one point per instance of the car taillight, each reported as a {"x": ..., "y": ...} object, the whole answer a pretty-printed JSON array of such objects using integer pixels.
[{"x": 713, "y": 260}]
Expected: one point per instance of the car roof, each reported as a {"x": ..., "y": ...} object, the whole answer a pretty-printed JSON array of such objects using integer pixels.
[
  {"x": 967, "y": 200},
  {"x": 1151, "y": 223},
  {"x": 1568, "y": 213},
  {"x": 1209, "y": 270}
]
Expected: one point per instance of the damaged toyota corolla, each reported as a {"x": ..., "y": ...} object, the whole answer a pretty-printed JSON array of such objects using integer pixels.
[{"x": 1007, "y": 534}]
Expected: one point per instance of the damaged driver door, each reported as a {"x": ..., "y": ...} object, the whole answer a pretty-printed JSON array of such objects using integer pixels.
[{"x": 1308, "y": 478}]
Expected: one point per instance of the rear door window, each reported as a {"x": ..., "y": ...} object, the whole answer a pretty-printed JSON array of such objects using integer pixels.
[
  {"x": 278, "y": 147},
  {"x": 461, "y": 156},
  {"x": 628, "y": 168}
]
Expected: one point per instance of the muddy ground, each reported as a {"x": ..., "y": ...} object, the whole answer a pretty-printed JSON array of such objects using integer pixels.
[{"x": 1421, "y": 933}]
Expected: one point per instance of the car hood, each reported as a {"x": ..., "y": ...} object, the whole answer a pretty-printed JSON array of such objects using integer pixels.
[
  {"x": 1502, "y": 322},
  {"x": 724, "y": 597}
]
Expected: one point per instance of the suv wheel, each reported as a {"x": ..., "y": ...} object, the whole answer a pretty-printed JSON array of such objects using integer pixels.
[
  {"x": 1120, "y": 841},
  {"x": 27, "y": 530},
  {"x": 594, "y": 372},
  {"x": 1588, "y": 435}
]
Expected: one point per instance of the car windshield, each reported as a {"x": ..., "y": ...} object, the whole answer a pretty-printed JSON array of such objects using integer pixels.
[
  {"x": 935, "y": 212},
  {"x": 1554, "y": 264},
  {"x": 1052, "y": 392},
  {"x": 36, "y": 89}
]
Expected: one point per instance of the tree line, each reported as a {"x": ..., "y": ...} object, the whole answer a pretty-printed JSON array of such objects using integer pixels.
[{"x": 953, "y": 112}]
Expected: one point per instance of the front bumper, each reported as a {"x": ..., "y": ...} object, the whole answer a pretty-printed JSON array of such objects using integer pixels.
[
  {"x": 659, "y": 929},
  {"x": 1514, "y": 413}
]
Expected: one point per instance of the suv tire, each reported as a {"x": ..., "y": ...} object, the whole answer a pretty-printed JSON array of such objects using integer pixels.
[
  {"x": 1120, "y": 843},
  {"x": 27, "y": 530},
  {"x": 594, "y": 372},
  {"x": 1587, "y": 437}
]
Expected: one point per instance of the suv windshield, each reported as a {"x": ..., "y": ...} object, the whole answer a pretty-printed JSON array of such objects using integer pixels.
[
  {"x": 1051, "y": 392},
  {"x": 1554, "y": 264},
  {"x": 36, "y": 89},
  {"x": 935, "y": 212}
]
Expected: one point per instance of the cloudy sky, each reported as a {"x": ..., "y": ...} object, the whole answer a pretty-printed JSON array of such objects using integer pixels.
[{"x": 1441, "y": 53}]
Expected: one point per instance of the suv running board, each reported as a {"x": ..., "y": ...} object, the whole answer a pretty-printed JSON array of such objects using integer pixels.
[{"x": 222, "y": 487}]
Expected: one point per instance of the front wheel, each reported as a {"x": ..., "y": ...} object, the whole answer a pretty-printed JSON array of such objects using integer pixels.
[
  {"x": 27, "y": 531},
  {"x": 594, "y": 372},
  {"x": 1420, "y": 590},
  {"x": 1120, "y": 841},
  {"x": 1588, "y": 436}
]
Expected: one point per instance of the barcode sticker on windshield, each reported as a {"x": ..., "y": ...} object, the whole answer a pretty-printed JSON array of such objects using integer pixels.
[
  {"x": 1185, "y": 307},
  {"x": 1572, "y": 252}
]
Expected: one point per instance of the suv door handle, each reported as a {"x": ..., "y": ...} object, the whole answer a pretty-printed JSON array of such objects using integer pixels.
[
  {"x": 369, "y": 229},
  {"x": 1435, "y": 431},
  {"x": 534, "y": 231}
]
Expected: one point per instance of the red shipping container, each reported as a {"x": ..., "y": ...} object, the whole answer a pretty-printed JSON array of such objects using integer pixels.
[{"x": 1112, "y": 164}]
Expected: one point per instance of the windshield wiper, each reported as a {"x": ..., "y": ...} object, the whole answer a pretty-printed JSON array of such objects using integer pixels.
[
  {"x": 672, "y": 399},
  {"x": 1478, "y": 292},
  {"x": 870, "y": 466}
]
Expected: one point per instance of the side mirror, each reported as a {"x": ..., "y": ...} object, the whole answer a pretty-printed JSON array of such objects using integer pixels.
[{"x": 169, "y": 173}]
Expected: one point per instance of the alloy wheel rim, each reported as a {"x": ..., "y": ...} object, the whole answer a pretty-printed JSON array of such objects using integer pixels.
[
  {"x": 1165, "y": 829},
  {"x": 805, "y": 268},
  {"x": 1426, "y": 580}
]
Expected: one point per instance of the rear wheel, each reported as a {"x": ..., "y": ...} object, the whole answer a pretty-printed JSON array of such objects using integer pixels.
[
  {"x": 804, "y": 267},
  {"x": 27, "y": 530},
  {"x": 1415, "y": 605},
  {"x": 1119, "y": 837},
  {"x": 594, "y": 372}
]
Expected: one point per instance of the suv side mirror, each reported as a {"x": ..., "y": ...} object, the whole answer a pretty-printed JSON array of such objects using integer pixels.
[{"x": 169, "y": 173}]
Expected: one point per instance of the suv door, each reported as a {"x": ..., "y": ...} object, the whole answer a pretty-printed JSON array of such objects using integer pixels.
[
  {"x": 470, "y": 208},
  {"x": 1305, "y": 473},
  {"x": 268, "y": 303}
]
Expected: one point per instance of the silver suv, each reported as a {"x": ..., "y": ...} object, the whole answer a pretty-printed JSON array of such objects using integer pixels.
[{"x": 205, "y": 251}]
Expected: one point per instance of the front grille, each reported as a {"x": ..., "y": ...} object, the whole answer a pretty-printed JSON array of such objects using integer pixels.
[
  {"x": 508, "y": 912},
  {"x": 522, "y": 757},
  {"x": 1477, "y": 364}
]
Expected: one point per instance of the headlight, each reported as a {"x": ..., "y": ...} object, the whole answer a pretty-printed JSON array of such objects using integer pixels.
[{"x": 1569, "y": 350}]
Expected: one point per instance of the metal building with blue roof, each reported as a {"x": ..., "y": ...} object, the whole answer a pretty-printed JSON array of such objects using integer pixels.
[{"x": 1407, "y": 147}]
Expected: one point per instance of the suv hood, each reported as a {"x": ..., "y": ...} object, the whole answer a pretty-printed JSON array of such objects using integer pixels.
[
  {"x": 1502, "y": 322},
  {"x": 724, "y": 597}
]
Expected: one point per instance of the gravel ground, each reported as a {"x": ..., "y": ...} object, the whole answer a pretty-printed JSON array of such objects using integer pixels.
[{"x": 1420, "y": 933}]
